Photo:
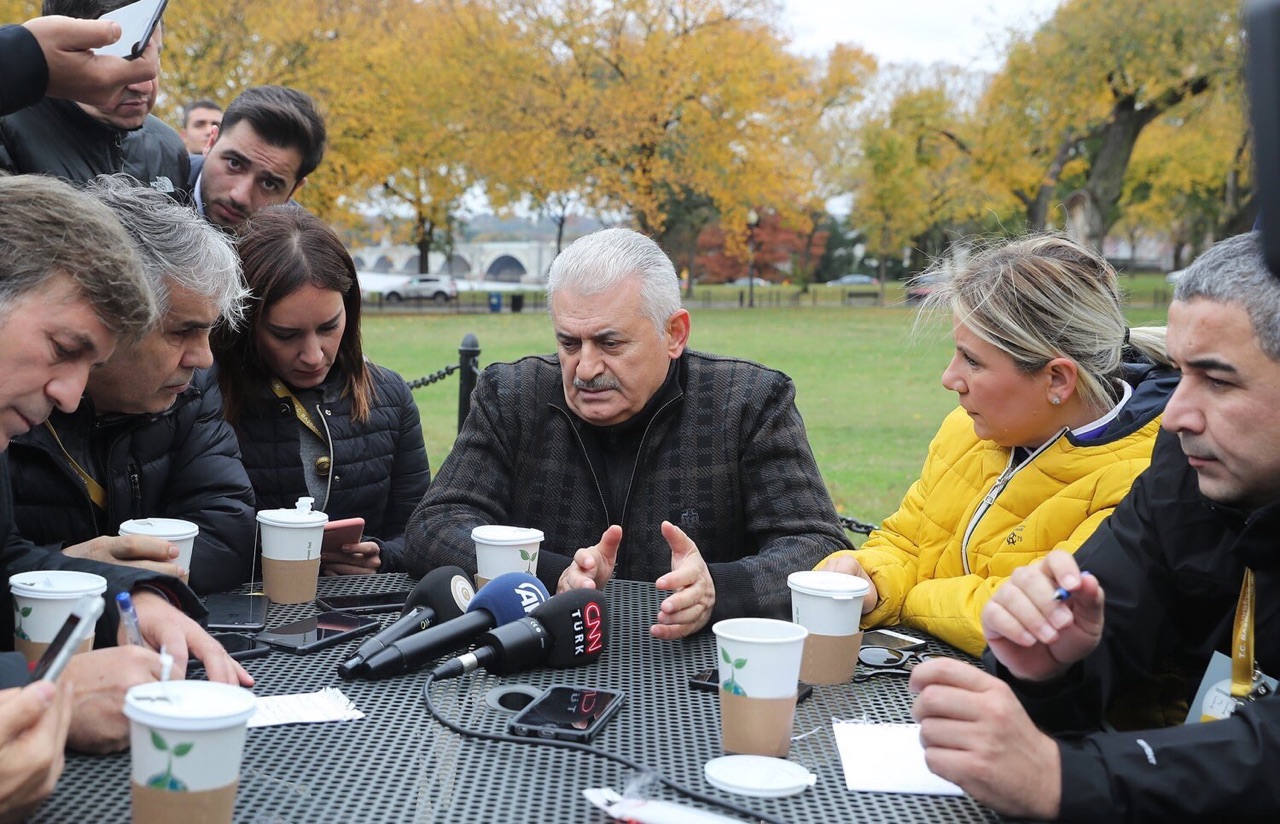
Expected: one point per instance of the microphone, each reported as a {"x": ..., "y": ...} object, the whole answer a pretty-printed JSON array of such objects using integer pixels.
[
  {"x": 567, "y": 631},
  {"x": 442, "y": 595},
  {"x": 506, "y": 598}
]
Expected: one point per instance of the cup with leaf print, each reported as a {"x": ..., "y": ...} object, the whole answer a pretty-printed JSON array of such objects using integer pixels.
[
  {"x": 42, "y": 600},
  {"x": 759, "y": 663},
  {"x": 503, "y": 549},
  {"x": 186, "y": 739}
]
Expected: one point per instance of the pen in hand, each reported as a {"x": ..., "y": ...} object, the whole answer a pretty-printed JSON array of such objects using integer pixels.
[
  {"x": 129, "y": 617},
  {"x": 1061, "y": 594}
]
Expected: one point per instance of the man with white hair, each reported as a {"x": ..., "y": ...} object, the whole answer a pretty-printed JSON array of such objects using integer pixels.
[{"x": 637, "y": 457}]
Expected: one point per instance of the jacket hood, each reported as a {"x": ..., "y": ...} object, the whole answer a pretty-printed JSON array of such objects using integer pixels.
[{"x": 1152, "y": 387}]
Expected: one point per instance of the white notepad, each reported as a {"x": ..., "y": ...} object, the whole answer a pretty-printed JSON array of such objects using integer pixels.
[
  {"x": 887, "y": 758},
  {"x": 329, "y": 704}
]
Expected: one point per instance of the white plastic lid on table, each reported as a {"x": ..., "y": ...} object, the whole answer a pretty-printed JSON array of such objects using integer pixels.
[
  {"x": 56, "y": 584},
  {"x": 302, "y": 515},
  {"x": 758, "y": 775}
]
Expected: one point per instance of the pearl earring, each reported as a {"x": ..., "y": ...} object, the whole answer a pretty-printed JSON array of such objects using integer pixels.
[{"x": 1055, "y": 400}]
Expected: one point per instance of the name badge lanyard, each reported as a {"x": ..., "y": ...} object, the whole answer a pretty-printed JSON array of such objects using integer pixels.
[
  {"x": 1246, "y": 680},
  {"x": 97, "y": 493}
]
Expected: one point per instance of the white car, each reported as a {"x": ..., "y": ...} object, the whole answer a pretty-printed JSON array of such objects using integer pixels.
[{"x": 439, "y": 288}]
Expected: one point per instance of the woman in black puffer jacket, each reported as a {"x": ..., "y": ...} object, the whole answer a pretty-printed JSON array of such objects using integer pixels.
[{"x": 313, "y": 416}]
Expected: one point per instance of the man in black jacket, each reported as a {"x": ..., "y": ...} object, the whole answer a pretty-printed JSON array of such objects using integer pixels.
[
  {"x": 78, "y": 141},
  {"x": 635, "y": 456},
  {"x": 1191, "y": 575},
  {"x": 150, "y": 440}
]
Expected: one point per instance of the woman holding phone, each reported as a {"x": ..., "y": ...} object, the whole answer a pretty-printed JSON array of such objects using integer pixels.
[{"x": 314, "y": 417}]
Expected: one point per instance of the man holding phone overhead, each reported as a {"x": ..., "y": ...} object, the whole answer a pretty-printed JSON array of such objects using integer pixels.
[{"x": 78, "y": 141}]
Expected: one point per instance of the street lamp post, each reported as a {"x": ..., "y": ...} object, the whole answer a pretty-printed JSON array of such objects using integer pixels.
[{"x": 753, "y": 220}]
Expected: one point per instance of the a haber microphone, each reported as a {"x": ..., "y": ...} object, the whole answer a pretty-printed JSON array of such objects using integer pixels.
[
  {"x": 442, "y": 595},
  {"x": 506, "y": 598},
  {"x": 569, "y": 630}
]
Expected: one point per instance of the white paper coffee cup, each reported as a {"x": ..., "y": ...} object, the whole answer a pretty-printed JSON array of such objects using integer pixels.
[
  {"x": 176, "y": 531},
  {"x": 759, "y": 657},
  {"x": 503, "y": 549},
  {"x": 42, "y": 600},
  {"x": 829, "y": 605},
  {"x": 759, "y": 660},
  {"x": 187, "y": 741},
  {"x": 291, "y": 540}
]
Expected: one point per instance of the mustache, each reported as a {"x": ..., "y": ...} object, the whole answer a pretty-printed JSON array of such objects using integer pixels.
[{"x": 596, "y": 384}]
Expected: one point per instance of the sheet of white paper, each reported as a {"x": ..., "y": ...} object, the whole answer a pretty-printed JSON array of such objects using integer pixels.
[
  {"x": 887, "y": 758},
  {"x": 329, "y": 704}
]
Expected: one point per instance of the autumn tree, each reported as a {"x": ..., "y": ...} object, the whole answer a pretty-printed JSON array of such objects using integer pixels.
[{"x": 1082, "y": 88}]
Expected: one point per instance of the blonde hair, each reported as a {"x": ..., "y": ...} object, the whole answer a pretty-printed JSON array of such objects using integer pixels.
[{"x": 1044, "y": 297}]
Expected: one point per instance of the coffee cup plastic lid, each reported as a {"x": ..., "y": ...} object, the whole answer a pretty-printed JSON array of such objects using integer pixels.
[
  {"x": 160, "y": 527},
  {"x": 758, "y": 775},
  {"x": 189, "y": 705},
  {"x": 829, "y": 584},
  {"x": 57, "y": 584},
  {"x": 301, "y": 515},
  {"x": 498, "y": 534}
]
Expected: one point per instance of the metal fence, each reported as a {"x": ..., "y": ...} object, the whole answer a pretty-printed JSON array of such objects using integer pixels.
[{"x": 468, "y": 369}]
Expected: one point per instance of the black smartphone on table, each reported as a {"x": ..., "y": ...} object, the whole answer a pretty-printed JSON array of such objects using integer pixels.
[
  {"x": 708, "y": 680},
  {"x": 567, "y": 713},
  {"x": 240, "y": 646},
  {"x": 233, "y": 612},
  {"x": 364, "y": 603},
  {"x": 78, "y": 626},
  {"x": 138, "y": 22},
  {"x": 318, "y": 631}
]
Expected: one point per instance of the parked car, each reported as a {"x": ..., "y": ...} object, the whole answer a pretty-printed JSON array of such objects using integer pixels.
[
  {"x": 747, "y": 282},
  {"x": 440, "y": 288},
  {"x": 920, "y": 288},
  {"x": 854, "y": 280}
]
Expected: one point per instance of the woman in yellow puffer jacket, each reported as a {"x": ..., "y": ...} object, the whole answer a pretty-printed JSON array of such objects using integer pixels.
[{"x": 1053, "y": 427}]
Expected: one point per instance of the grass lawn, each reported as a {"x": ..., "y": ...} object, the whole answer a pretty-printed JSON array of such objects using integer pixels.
[{"x": 867, "y": 385}]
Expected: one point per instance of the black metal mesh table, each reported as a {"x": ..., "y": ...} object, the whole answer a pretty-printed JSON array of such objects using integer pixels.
[{"x": 399, "y": 764}]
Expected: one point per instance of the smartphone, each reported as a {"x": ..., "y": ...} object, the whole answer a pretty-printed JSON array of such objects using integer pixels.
[
  {"x": 567, "y": 713},
  {"x": 708, "y": 680},
  {"x": 892, "y": 640},
  {"x": 78, "y": 626},
  {"x": 318, "y": 631},
  {"x": 345, "y": 531},
  {"x": 138, "y": 22},
  {"x": 242, "y": 647},
  {"x": 233, "y": 612},
  {"x": 364, "y": 603}
]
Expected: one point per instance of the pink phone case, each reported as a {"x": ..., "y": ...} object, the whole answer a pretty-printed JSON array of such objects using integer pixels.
[{"x": 345, "y": 531}]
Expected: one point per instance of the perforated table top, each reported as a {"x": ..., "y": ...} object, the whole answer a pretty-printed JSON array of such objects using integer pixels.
[{"x": 399, "y": 764}]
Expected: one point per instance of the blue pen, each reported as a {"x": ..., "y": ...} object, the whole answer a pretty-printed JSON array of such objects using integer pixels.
[
  {"x": 1061, "y": 594},
  {"x": 129, "y": 617}
]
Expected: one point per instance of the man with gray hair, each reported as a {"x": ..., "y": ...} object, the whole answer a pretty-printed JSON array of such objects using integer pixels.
[
  {"x": 695, "y": 468},
  {"x": 1191, "y": 574},
  {"x": 150, "y": 439}
]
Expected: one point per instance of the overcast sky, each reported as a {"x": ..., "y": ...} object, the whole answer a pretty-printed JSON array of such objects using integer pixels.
[{"x": 963, "y": 32}]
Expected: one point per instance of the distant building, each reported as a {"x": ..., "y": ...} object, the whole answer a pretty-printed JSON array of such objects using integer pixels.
[{"x": 500, "y": 261}]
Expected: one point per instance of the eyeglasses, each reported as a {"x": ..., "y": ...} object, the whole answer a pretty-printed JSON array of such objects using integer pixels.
[{"x": 886, "y": 661}]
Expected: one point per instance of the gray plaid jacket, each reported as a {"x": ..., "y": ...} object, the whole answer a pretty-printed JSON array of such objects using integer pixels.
[{"x": 727, "y": 461}]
